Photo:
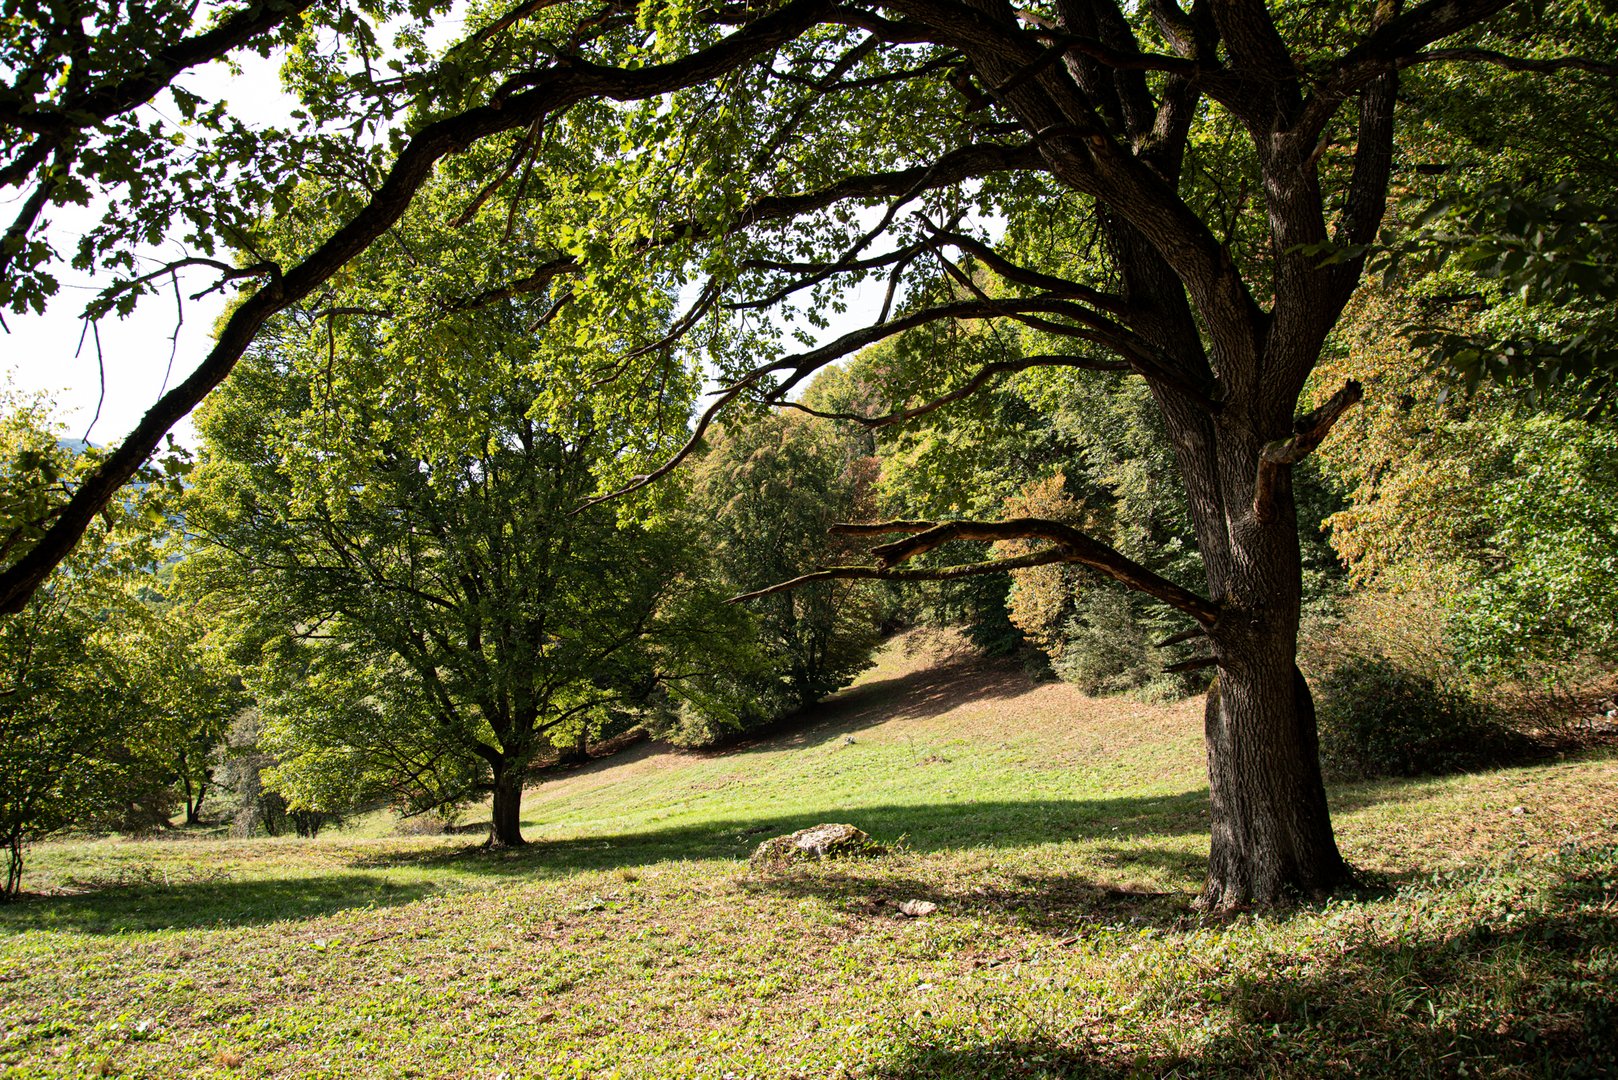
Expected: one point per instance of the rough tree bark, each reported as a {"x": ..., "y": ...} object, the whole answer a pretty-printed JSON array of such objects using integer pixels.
[
  {"x": 1226, "y": 370},
  {"x": 1271, "y": 834},
  {"x": 505, "y": 824}
]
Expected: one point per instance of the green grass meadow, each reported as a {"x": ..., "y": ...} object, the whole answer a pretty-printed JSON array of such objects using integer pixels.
[{"x": 1061, "y": 837}]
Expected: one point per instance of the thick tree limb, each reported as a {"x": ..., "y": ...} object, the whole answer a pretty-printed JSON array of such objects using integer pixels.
[
  {"x": 1048, "y": 283},
  {"x": 839, "y": 265},
  {"x": 807, "y": 363},
  {"x": 878, "y": 573},
  {"x": 1279, "y": 456},
  {"x": 878, "y": 528},
  {"x": 1373, "y": 165},
  {"x": 83, "y": 110},
  {"x": 1392, "y": 44},
  {"x": 983, "y": 375},
  {"x": 1180, "y": 638},
  {"x": 689, "y": 447},
  {"x": 227, "y": 273},
  {"x": 1075, "y": 547}
]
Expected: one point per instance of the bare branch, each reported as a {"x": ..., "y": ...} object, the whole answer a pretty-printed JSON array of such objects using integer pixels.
[
  {"x": 523, "y": 150},
  {"x": 1180, "y": 638},
  {"x": 983, "y": 375},
  {"x": 703, "y": 304},
  {"x": 1547, "y": 66},
  {"x": 704, "y": 422},
  {"x": 1279, "y": 456},
  {"x": 1121, "y": 59},
  {"x": 840, "y": 265},
  {"x": 1075, "y": 547},
  {"x": 534, "y": 281},
  {"x": 943, "y": 573},
  {"x": 804, "y": 364},
  {"x": 879, "y": 528},
  {"x": 1049, "y": 283}
]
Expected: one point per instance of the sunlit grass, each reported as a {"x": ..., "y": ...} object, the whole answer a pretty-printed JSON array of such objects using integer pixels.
[{"x": 1062, "y": 839}]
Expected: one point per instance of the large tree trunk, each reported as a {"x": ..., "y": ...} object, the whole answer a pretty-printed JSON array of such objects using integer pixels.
[
  {"x": 1272, "y": 838},
  {"x": 505, "y": 827},
  {"x": 193, "y": 801}
]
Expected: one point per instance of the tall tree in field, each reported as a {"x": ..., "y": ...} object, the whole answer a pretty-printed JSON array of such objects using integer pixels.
[
  {"x": 1190, "y": 195},
  {"x": 432, "y": 614},
  {"x": 1189, "y": 192}
]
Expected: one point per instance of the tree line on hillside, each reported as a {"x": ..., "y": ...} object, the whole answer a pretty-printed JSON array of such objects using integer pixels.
[{"x": 1124, "y": 252}]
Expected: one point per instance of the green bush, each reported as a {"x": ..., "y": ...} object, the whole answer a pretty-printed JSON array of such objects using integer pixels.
[
  {"x": 1378, "y": 719},
  {"x": 1108, "y": 648}
]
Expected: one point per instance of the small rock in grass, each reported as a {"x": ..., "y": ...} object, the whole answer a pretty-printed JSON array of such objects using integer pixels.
[
  {"x": 1519, "y": 811},
  {"x": 816, "y": 842},
  {"x": 916, "y": 909}
]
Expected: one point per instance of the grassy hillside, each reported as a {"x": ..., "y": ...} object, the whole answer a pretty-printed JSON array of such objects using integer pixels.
[{"x": 1061, "y": 838}]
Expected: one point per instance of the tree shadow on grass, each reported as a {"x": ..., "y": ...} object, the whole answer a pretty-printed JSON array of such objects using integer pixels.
[
  {"x": 1059, "y": 905},
  {"x": 924, "y": 828},
  {"x": 1439, "y": 998},
  {"x": 921, "y": 694},
  {"x": 1115, "y": 831},
  {"x": 1111, "y": 828},
  {"x": 206, "y": 902}
]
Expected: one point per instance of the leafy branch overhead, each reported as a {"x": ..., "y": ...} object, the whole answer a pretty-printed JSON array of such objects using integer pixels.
[{"x": 524, "y": 68}]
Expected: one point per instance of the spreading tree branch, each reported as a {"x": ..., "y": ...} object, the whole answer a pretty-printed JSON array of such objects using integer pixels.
[
  {"x": 92, "y": 106},
  {"x": 984, "y": 375},
  {"x": 1069, "y": 545},
  {"x": 1278, "y": 457},
  {"x": 877, "y": 573},
  {"x": 1393, "y": 43},
  {"x": 954, "y": 166},
  {"x": 549, "y": 93},
  {"x": 1535, "y": 65}
]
